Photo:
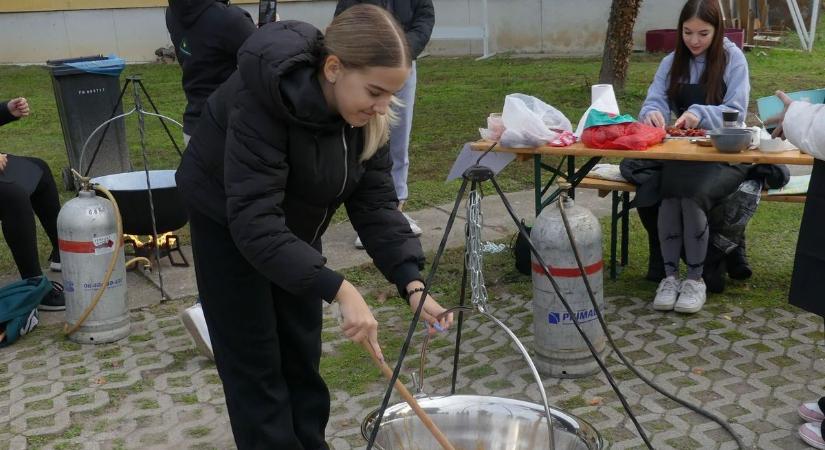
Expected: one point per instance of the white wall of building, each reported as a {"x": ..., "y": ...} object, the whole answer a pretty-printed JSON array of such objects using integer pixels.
[{"x": 553, "y": 27}]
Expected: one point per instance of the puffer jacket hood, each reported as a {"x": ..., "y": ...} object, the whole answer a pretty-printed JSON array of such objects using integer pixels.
[
  {"x": 279, "y": 64},
  {"x": 188, "y": 11}
]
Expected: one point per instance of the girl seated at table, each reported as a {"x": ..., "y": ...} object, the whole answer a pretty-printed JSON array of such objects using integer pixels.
[{"x": 706, "y": 75}]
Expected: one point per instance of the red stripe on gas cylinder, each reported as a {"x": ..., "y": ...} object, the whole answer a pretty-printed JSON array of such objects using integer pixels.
[
  {"x": 76, "y": 246},
  {"x": 565, "y": 272}
]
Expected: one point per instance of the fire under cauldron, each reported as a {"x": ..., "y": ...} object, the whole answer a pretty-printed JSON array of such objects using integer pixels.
[{"x": 132, "y": 195}]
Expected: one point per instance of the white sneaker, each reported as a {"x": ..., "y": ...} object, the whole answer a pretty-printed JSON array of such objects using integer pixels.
[
  {"x": 358, "y": 244},
  {"x": 195, "y": 323},
  {"x": 666, "y": 294},
  {"x": 810, "y": 412},
  {"x": 413, "y": 224},
  {"x": 692, "y": 296},
  {"x": 811, "y": 433}
]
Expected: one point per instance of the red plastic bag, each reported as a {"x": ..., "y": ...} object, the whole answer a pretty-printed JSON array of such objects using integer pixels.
[{"x": 623, "y": 136}]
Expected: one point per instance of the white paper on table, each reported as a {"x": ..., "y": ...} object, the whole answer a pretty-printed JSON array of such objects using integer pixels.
[
  {"x": 602, "y": 98},
  {"x": 467, "y": 158}
]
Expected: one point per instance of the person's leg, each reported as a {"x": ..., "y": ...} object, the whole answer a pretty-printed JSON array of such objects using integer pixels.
[
  {"x": 243, "y": 325},
  {"x": 46, "y": 204},
  {"x": 400, "y": 137},
  {"x": 300, "y": 338},
  {"x": 696, "y": 236},
  {"x": 670, "y": 234},
  {"x": 693, "y": 292},
  {"x": 17, "y": 220},
  {"x": 670, "y": 239}
]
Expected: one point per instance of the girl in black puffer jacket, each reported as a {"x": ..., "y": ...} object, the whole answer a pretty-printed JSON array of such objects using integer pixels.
[{"x": 297, "y": 131}]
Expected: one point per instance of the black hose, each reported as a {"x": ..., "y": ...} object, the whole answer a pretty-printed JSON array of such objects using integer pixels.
[
  {"x": 573, "y": 317},
  {"x": 697, "y": 409}
]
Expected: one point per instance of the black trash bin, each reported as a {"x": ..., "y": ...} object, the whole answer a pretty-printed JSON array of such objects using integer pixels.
[{"x": 86, "y": 91}]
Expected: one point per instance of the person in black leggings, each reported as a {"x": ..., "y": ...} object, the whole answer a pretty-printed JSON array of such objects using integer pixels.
[{"x": 27, "y": 188}]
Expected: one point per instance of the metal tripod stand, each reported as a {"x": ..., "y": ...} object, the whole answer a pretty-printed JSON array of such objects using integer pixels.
[{"x": 137, "y": 87}]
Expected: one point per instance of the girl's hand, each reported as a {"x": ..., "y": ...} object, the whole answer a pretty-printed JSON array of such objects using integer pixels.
[
  {"x": 779, "y": 118},
  {"x": 655, "y": 118},
  {"x": 430, "y": 311},
  {"x": 359, "y": 325},
  {"x": 18, "y": 107},
  {"x": 687, "y": 120}
]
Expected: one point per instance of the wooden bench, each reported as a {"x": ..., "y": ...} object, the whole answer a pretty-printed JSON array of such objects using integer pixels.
[{"x": 620, "y": 191}]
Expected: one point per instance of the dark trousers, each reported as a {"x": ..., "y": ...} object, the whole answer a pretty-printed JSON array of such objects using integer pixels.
[
  {"x": 17, "y": 210},
  {"x": 267, "y": 346}
]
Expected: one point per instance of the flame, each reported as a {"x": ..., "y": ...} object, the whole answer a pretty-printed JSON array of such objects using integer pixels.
[{"x": 168, "y": 239}]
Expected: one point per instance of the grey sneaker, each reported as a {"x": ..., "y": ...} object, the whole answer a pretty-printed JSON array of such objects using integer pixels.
[
  {"x": 194, "y": 321},
  {"x": 692, "y": 296},
  {"x": 358, "y": 244},
  {"x": 413, "y": 225},
  {"x": 666, "y": 294}
]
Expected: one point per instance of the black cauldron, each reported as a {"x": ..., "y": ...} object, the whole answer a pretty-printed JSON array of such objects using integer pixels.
[{"x": 132, "y": 195}]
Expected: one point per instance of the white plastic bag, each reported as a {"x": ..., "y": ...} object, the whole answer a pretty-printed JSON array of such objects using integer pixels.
[{"x": 529, "y": 122}]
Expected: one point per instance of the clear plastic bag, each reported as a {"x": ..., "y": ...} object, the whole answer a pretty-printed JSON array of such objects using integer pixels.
[{"x": 529, "y": 122}]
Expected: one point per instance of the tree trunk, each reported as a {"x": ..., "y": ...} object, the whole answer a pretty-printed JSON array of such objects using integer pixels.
[{"x": 618, "y": 43}]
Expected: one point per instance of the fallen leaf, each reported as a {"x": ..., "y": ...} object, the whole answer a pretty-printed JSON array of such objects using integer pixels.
[
  {"x": 698, "y": 371},
  {"x": 100, "y": 380},
  {"x": 596, "y": 401},
  {"x": 726, "y": 317}
]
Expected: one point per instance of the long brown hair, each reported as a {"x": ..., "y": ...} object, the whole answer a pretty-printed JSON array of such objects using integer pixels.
[
  {"x": 715, "y": 58},
  {"x": 365, "y": 36}
]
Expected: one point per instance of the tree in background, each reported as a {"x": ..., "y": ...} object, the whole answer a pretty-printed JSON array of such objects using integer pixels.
[{"x": 618, "y": 43}]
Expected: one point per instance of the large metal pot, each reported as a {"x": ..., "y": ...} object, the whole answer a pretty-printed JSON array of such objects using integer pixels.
[
  {"x": 476, "y": 422},
  {"x": 132, "y": 195}
]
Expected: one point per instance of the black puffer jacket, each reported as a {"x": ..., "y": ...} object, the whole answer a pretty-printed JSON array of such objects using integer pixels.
[
  {"x": 207, "y": 35},
  {"x": 417, "y": 17},
  {"x": 273, "y": 163},
  {"x": 5, "y": 115}
]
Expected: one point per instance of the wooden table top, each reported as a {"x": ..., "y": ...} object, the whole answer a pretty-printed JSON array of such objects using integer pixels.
[{"x": 672, "y": 149}]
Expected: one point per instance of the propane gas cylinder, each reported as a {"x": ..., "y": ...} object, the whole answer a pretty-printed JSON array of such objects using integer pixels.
[
  {"x": 560, "y": 350},
  {"x": 87, "y": 237}
]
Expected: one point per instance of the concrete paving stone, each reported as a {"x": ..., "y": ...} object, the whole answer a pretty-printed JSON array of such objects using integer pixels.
[{"x": 153, "y": 390}]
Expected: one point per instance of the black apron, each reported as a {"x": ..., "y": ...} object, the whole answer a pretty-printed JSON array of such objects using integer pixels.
[
  {"x": 808, "y": 280},
  {"x": 705, "y": 182}
]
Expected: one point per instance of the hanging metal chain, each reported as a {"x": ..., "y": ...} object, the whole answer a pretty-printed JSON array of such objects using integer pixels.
[{"x": 473, "y": 253}]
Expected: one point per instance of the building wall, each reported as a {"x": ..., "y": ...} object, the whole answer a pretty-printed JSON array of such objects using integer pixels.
[{"x": 33, "y": 31}]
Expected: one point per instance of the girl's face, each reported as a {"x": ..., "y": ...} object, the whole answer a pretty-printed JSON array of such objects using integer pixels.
[
  {"x": 359, "y": 94},
  {"x": 697, "y": 35}
]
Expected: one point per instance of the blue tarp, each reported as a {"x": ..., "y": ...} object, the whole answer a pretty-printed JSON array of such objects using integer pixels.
[{"x": 112, "y": 65}]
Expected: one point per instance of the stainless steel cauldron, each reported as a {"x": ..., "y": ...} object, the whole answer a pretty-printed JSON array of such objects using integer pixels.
[{"x": 476, "y": 422}]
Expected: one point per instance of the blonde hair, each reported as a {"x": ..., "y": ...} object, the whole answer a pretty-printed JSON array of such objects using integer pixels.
[{"x": 365, "y": 36}]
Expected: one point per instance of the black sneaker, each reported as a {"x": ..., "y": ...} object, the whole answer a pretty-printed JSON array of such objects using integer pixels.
[
  {"x": 54, "y": 261},
  {"x": 54, "y": 300}
]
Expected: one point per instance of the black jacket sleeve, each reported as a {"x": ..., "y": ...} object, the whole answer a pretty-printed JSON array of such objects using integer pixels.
[
  {"x": 385, "y": 232},
  {"x": 255, "y": 177},
  {"x": 6, "y": 115},
  {"x": 419, "y": 31}
]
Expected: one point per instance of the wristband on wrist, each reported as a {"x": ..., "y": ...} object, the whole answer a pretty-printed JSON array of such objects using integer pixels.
[{"x": 413, "y": 291}]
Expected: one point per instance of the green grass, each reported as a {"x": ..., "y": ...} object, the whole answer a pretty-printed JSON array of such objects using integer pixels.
[{"x": 454, "y": 97}]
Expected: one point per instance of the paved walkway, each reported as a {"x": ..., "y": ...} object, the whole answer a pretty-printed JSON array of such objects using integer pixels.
[{"x": 153, "y": 390}]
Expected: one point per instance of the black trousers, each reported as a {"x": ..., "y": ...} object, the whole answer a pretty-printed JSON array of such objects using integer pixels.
[
  {"x": 267, "y": 346},
  {"x": 17, "y": 210}
]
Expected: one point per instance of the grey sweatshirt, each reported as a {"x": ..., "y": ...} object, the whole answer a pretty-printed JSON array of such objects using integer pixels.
[{"x": 710, "y": 116}]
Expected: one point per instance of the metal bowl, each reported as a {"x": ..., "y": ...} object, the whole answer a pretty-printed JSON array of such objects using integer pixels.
[
  {"x": 730, "y": 140},
  {"x": 476, "y": 422},
  {"x": 130, "y": 191}
]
